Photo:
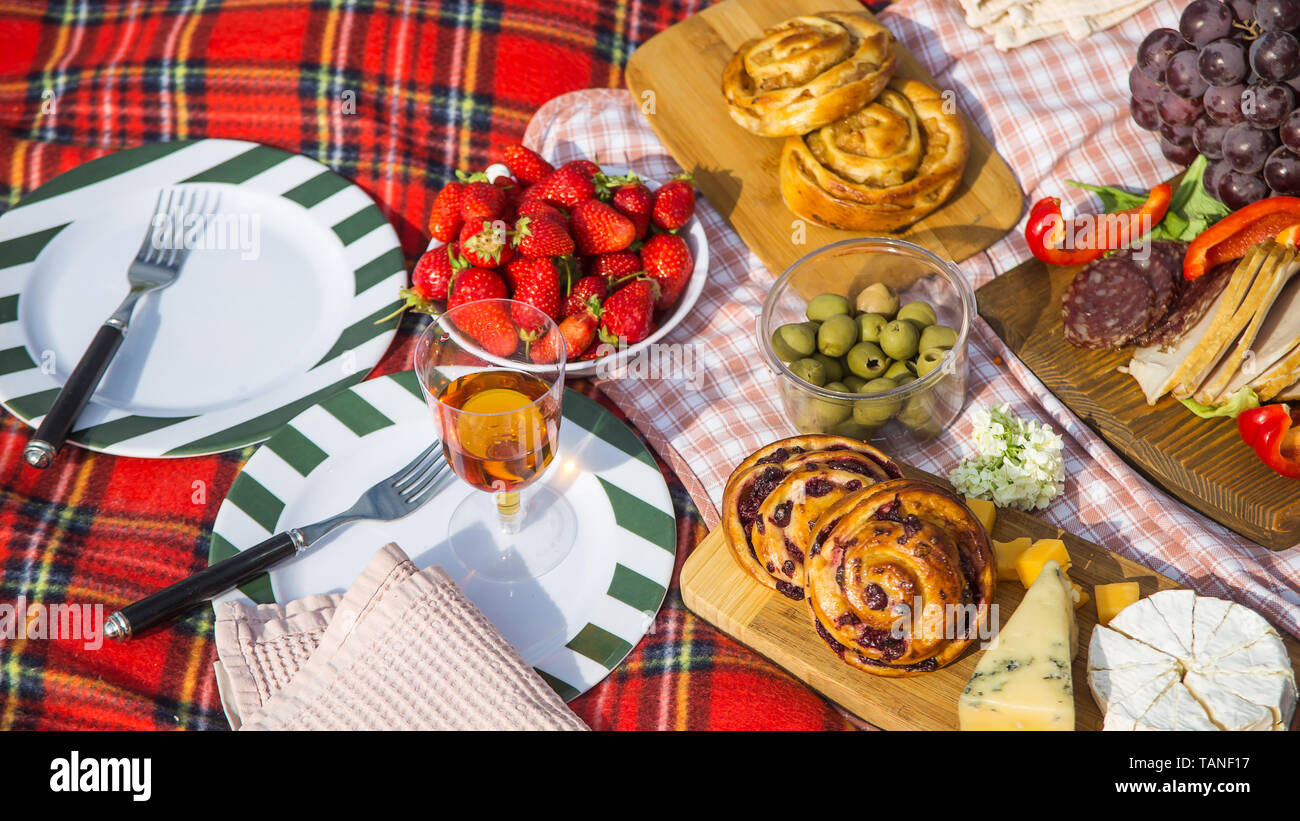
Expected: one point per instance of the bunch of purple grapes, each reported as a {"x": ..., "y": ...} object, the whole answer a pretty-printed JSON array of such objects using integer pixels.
[{"x": 1225, "y": 85}]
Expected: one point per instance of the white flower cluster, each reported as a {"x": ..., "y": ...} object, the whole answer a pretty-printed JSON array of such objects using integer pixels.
[{"x": 1020, "y": 462}]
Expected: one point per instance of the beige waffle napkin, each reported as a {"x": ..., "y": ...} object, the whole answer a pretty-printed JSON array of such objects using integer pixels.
[{"x": 403, "y": 649}]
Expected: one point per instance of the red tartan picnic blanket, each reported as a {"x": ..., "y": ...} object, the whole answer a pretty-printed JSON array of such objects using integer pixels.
[{"x": 432, "y": 87}]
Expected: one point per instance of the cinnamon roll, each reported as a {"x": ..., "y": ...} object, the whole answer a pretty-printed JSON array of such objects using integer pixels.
[
  {"x": 806, "y": 72},
  {"x": 881, "y": 167},
  {"x": 900, "y": 577},
  {"x": 773, "y": 498}
]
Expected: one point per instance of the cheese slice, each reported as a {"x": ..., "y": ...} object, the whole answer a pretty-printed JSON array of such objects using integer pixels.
[
  {"x": 1175, "y": 709},
  {"x": 1279, "y": 333},
  {"x": 1267, "y": 294},
  {"x": 1278, "y": 376},
  {"x": 1024, "y": 680},
  {"x": 1178, "y": 661},
  {"x": 1155, "y": 368},
  {"x": 1227, "y": 318},
  {"x": 1290, "y": 393}
]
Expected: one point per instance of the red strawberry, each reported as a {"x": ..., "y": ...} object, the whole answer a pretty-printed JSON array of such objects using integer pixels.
[
  {"x": 444, "y": 218},
  {"x": 489, "y": 324},
  {"x": 434, "y": 271},
  {"x": 526, "y": 165},
  {"x": 578, "y": 332},
  {"x": 473, "y": 284},
  {"x": 540, "y": 237},
  {"x": 482, "y": 201},
  {"x": 600, "y": 229},
  {"x": 614, "y": 265},
  {"x": 580, "y": 298},
  {"x": 513, "y": 270},
  {"x": 585, "y": 166},
  {"x": 635, "y": 202},
  {"x": 566, "y": 186},
  {"x": 629, "y": 312},
  {"x": 674, "y": 204},
  {"x": 485, "y": 243},
  {"x": 539, "y": 208},
  {"x": 538, "y": 285},
  {"x": 668, "y": 261}
]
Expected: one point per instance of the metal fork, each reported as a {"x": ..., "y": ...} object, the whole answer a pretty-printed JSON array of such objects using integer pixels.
[
  {"x": 156, "y": 265},
  {"x": 391, "y": 499}
]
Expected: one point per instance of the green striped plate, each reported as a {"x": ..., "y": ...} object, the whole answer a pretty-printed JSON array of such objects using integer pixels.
[
  {"x": 573, "y": 624},
  {"x": 275, "y": 313}
]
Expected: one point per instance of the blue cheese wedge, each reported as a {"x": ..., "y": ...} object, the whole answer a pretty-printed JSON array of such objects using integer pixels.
[
  {"x": 1178, "y": 661},
  {"x": 1024, "y": 681}
]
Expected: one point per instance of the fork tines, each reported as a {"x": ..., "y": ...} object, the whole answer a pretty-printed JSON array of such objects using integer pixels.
[{"x": 165, "y": 240}]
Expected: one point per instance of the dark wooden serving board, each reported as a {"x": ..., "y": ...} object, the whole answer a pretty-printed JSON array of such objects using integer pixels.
[{"x": 1201, "y": 461}]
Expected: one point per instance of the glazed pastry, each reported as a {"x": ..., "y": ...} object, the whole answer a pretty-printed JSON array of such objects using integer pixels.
[
  {"x": 807, "y": 72},
  {"x": 781, "y": 473},
  {"x": 880, "y": 168},
  {"x": 896, "y": 545}
]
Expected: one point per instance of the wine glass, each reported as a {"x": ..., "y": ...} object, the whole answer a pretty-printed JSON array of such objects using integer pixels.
[{"x": 492, "y": 372}]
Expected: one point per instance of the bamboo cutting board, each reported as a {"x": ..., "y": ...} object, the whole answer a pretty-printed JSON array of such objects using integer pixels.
[
  {"x": 1201, "y": 461},
  {"x": 716, "y": 589},
  {"x": 676, "y": 79}
]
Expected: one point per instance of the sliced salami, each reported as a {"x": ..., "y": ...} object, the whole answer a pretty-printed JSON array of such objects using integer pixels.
[
  {"x": 1110, "y": 302},
  {"x": 1164, "y": 269},
  {"x": 1193, "y": 300}
]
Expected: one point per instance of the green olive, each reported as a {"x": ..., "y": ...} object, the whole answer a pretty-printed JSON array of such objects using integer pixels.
[
  {"x": 919, "y": 312},
  {"x": 815, "y": 415},
  {"x": 899, "y": 340},
  {"x": 824, "y": 306},
  {"x": 796, "y": 338},
  {"x": 905, "y": 379},
  {"x": 834, "y": 367},
  {"x": 866, "y": 360},
  {"x": 837, "y": 335},
  {"x": 929, "y": 360},
  {"x": 809, "y": 370},
  {"x": 918, "y": 414},
  {"x": 854, "y": 383},
  {"x": 937, "y": 336},
  {"x": 870, "y": 326},
  {"x": 898, "y": 370},
  {"x": 878, "y": 299},
  {"x": 838, "y": 387},
  {"x": 875, "y": 411},
  {"x": 853, "y": 430},
  {"x": 782, "y": 350}
]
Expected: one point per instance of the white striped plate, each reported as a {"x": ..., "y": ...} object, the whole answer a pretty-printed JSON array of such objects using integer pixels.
[
  {"x": 573, "y": 624},
  {"x": 277, "y": 314}
]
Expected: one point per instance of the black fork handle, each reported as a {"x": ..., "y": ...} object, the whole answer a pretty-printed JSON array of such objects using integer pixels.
[
  {"x": 71, "y": 401},
  {"x": 172, "y": 602}
]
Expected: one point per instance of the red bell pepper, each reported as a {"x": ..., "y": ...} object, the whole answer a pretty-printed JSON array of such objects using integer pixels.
[
  {"x": 1231, "y": 237},
  {"x": 1274, "y": 432},
  {"x": 1047, "y": 232}
]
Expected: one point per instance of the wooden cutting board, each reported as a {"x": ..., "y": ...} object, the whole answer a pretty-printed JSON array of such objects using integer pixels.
[
  {"x": 676, "y": 79},
  {"x": 717, "y": 590},
  {"x": 1201, "y": 461}
]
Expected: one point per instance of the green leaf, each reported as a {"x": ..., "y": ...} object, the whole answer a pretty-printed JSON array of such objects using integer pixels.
[
  {"x": 1112, "y": 199},
  {"x": 1244, "y": 399},
  {"x": 1191, "y": 208}
]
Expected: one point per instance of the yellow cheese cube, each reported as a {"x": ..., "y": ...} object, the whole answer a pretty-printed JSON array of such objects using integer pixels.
[
  {"x": 1030, "y": 563},
  {"x": 984, "y": 511},
  {"x": 1006, "y": 554},
  {"x": 1112, "y": 598}
]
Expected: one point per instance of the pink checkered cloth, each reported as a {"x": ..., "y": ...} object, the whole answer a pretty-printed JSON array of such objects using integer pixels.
[{"x": 1054, "y": 110}]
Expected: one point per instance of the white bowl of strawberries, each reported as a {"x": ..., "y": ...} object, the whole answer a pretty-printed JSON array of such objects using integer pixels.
[{"x": 617, "y": 261}]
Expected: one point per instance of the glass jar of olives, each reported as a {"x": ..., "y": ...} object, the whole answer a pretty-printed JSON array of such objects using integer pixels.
[{"x": 867, "y": 338}]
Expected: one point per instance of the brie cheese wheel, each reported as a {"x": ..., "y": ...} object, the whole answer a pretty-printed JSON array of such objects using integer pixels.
[{"x": 1179, "y": 661}]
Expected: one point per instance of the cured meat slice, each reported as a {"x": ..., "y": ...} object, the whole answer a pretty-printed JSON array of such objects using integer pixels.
[
  {"x": 1193, "y": 302},
  {"x": 1109, "y": 303},
  {"x": 1163, "y": 265}
]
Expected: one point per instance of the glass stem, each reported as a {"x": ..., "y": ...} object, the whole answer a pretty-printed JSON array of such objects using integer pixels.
[{"x": 510, "y": 513}]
